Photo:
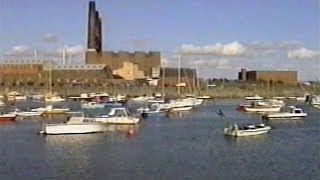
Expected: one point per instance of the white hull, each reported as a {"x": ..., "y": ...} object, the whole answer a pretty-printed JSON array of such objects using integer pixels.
[
  {"x": 184, "y": 108},
  {"x": 54, "y": 99},
  {"x": 204, "y": 97},
  {"x": 285, "y": 116},
  {"x": 81, "y": 128},
  {"x": 262, "y": 109},
  {"x": 141, "y": 99},
  {"x": 253, "y": 98},
  {"x": 93, "y": 106},
  {"x": 2, "y": 104},
  {"x": 27, "y": 113},
  {"x": 118, "y": 120},
  {"x": 248, "y": 132}
]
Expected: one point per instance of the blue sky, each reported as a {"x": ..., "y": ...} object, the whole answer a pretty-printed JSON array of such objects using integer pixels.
[{"x": 267, "y": 31}]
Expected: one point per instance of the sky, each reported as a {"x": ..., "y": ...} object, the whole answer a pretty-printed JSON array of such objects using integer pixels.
[{"x": 217, "y": 37}]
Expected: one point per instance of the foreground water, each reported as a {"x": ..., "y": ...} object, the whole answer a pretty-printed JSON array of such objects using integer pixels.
[{"x": 183, "y": 146}]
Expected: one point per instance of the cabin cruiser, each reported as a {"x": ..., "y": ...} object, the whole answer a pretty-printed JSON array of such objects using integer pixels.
[
  {"x": 254, "y": 98},
  {"x": 93, "y": 105},
  {"x": 259, "y": 109},
  {"x": 52, "y": 97},
  {"x": 77, "y": 124},
  {"x": 118, "y": 115},
  {"x": 7, "y": 117},
  {"x": 2, "y": 104},
  {"x": 246, "y": 130},
  {"x": 294, "y": 113},
  {"x": 152, "y": 110},
  {"x": 18, "y": 112},
  {"x": 50, "y": 110}
]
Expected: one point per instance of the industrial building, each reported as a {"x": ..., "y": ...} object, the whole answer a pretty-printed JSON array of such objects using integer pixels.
[
  {"x": 100, "y": 66},
  {"x": 274, "y": 77},
  {"x": 144, "y": 61}
]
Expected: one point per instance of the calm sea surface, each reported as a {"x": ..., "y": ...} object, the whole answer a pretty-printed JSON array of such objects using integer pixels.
[{"x": 183, "y": 146}]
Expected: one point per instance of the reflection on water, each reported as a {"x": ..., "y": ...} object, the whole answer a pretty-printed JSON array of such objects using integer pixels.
[{"x": 189, "y": 145}]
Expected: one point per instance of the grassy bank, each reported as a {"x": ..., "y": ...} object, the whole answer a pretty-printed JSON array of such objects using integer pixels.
[{"x": 220, "y": 91}]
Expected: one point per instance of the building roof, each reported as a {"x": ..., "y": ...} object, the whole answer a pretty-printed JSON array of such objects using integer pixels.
[
  {"x": 22, "y": 62},
  {"x": 79, "y": 67}
]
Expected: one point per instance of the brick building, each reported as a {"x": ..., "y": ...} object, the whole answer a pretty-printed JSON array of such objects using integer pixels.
[{"x": 281, "y": 77}]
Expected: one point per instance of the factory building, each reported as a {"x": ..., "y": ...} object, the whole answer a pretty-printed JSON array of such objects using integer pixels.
[{"x": 277, "y": 77}]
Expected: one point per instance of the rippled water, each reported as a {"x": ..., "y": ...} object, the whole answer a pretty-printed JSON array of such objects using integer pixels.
[{"x": 183, "y": 146}]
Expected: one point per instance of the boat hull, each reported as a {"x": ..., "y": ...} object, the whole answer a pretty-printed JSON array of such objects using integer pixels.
[
  {"x": 271, "y": 116},
  {"x": 117, "y": 120},
  {"x": 249, "y": 132},
  {"x": 185, "y": 108},
  {"x": 82, "y": 128},
  {"x": 262, "y": 109}
]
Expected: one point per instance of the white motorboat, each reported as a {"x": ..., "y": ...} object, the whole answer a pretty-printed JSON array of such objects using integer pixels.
[
  {"x": 54, "y": 99},
  {"x": 181, "y": 108},
  {"x": 204, "y": 97},
  {"x": 156, "y": 100},
  {"x": 294, "y": 113},
  {"x": 142, "y": 98},
  {"x": 253, "y": 98},
  {"x": 93, "y": 105},
  {"x": 50, "y": 110},
  {"x": 259, "y": 109},
  {"x": 152, "y": 110},
  {"x": 2, "y": 104},
  {"x": 18, "y": 112},
  {"x": 75, "y": 125},
  {"x": 247, "y": 130},
  {"x": 118, "y": 115}
]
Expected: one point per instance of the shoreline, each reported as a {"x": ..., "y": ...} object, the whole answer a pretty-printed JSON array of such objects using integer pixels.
[{"x": 219, "y": 92}]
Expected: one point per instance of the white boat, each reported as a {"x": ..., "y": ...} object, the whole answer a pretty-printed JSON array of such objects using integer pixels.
[
  {"x": 152, "y": 110},
  {"x": 50, "y": 110},
  {"x": 26, "y": 113},
  {"x": 181, "y": 108},
  {"x": 75, "y": 125},
  {"x": 93, "y": 105},
  {"x": 204, "y": 97},
  {"x": 294, "y": 113},
  {"x": 262, "y": 109},
  {"x": 2, "y": 104},
  {"x": 36, "y": 96},
  {"x": 248, "y": 130},
  {"x": 54, "y": 99},
  {"x": 156, "y": 100},
  {"x": 142, "y": 98},
  {"x": 118, "y": 115},
  {"x": 252, "y": 98}
]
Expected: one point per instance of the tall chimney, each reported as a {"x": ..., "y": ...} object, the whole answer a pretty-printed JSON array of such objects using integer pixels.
[{"x": 92, "y": 25}]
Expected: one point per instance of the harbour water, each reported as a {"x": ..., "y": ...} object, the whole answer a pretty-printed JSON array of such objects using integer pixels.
[{"x": 190, "y": 145}]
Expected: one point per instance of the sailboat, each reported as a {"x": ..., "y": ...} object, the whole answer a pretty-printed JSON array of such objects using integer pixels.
[{"x": 52, "y": 97}]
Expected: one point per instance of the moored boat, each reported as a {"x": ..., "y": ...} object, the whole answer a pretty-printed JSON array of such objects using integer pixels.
[
  {"x": 294, "y": 113},
  {"x": 118, "y": 115},
  {"x": 2, "y": 104},
  {"x": 246, "y": 130},
  {"x": 262, "y": 109},
  {"x": 253, "y": 98},
  {"x": 7, "y": 118},
  {"x": 18, "y": 112},
  {"x": 75, "y": 125},
  {"x": 50, "y": 110}
]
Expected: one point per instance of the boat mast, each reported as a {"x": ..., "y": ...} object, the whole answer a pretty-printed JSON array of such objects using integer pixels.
[
  {"x": 163, "y": 82},
  {"x": 179, "y": 73},
  {"x": 50, "y": 77}
]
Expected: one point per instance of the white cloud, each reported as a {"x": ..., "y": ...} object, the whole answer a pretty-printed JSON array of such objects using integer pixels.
[
  {"x": 20, "y": 50},
  {"x": 302, "y": 53},
  {"x": 49, "y": 38},
  {"x": 72, "y": 50},
  {"x": 230, "y": 49}
]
